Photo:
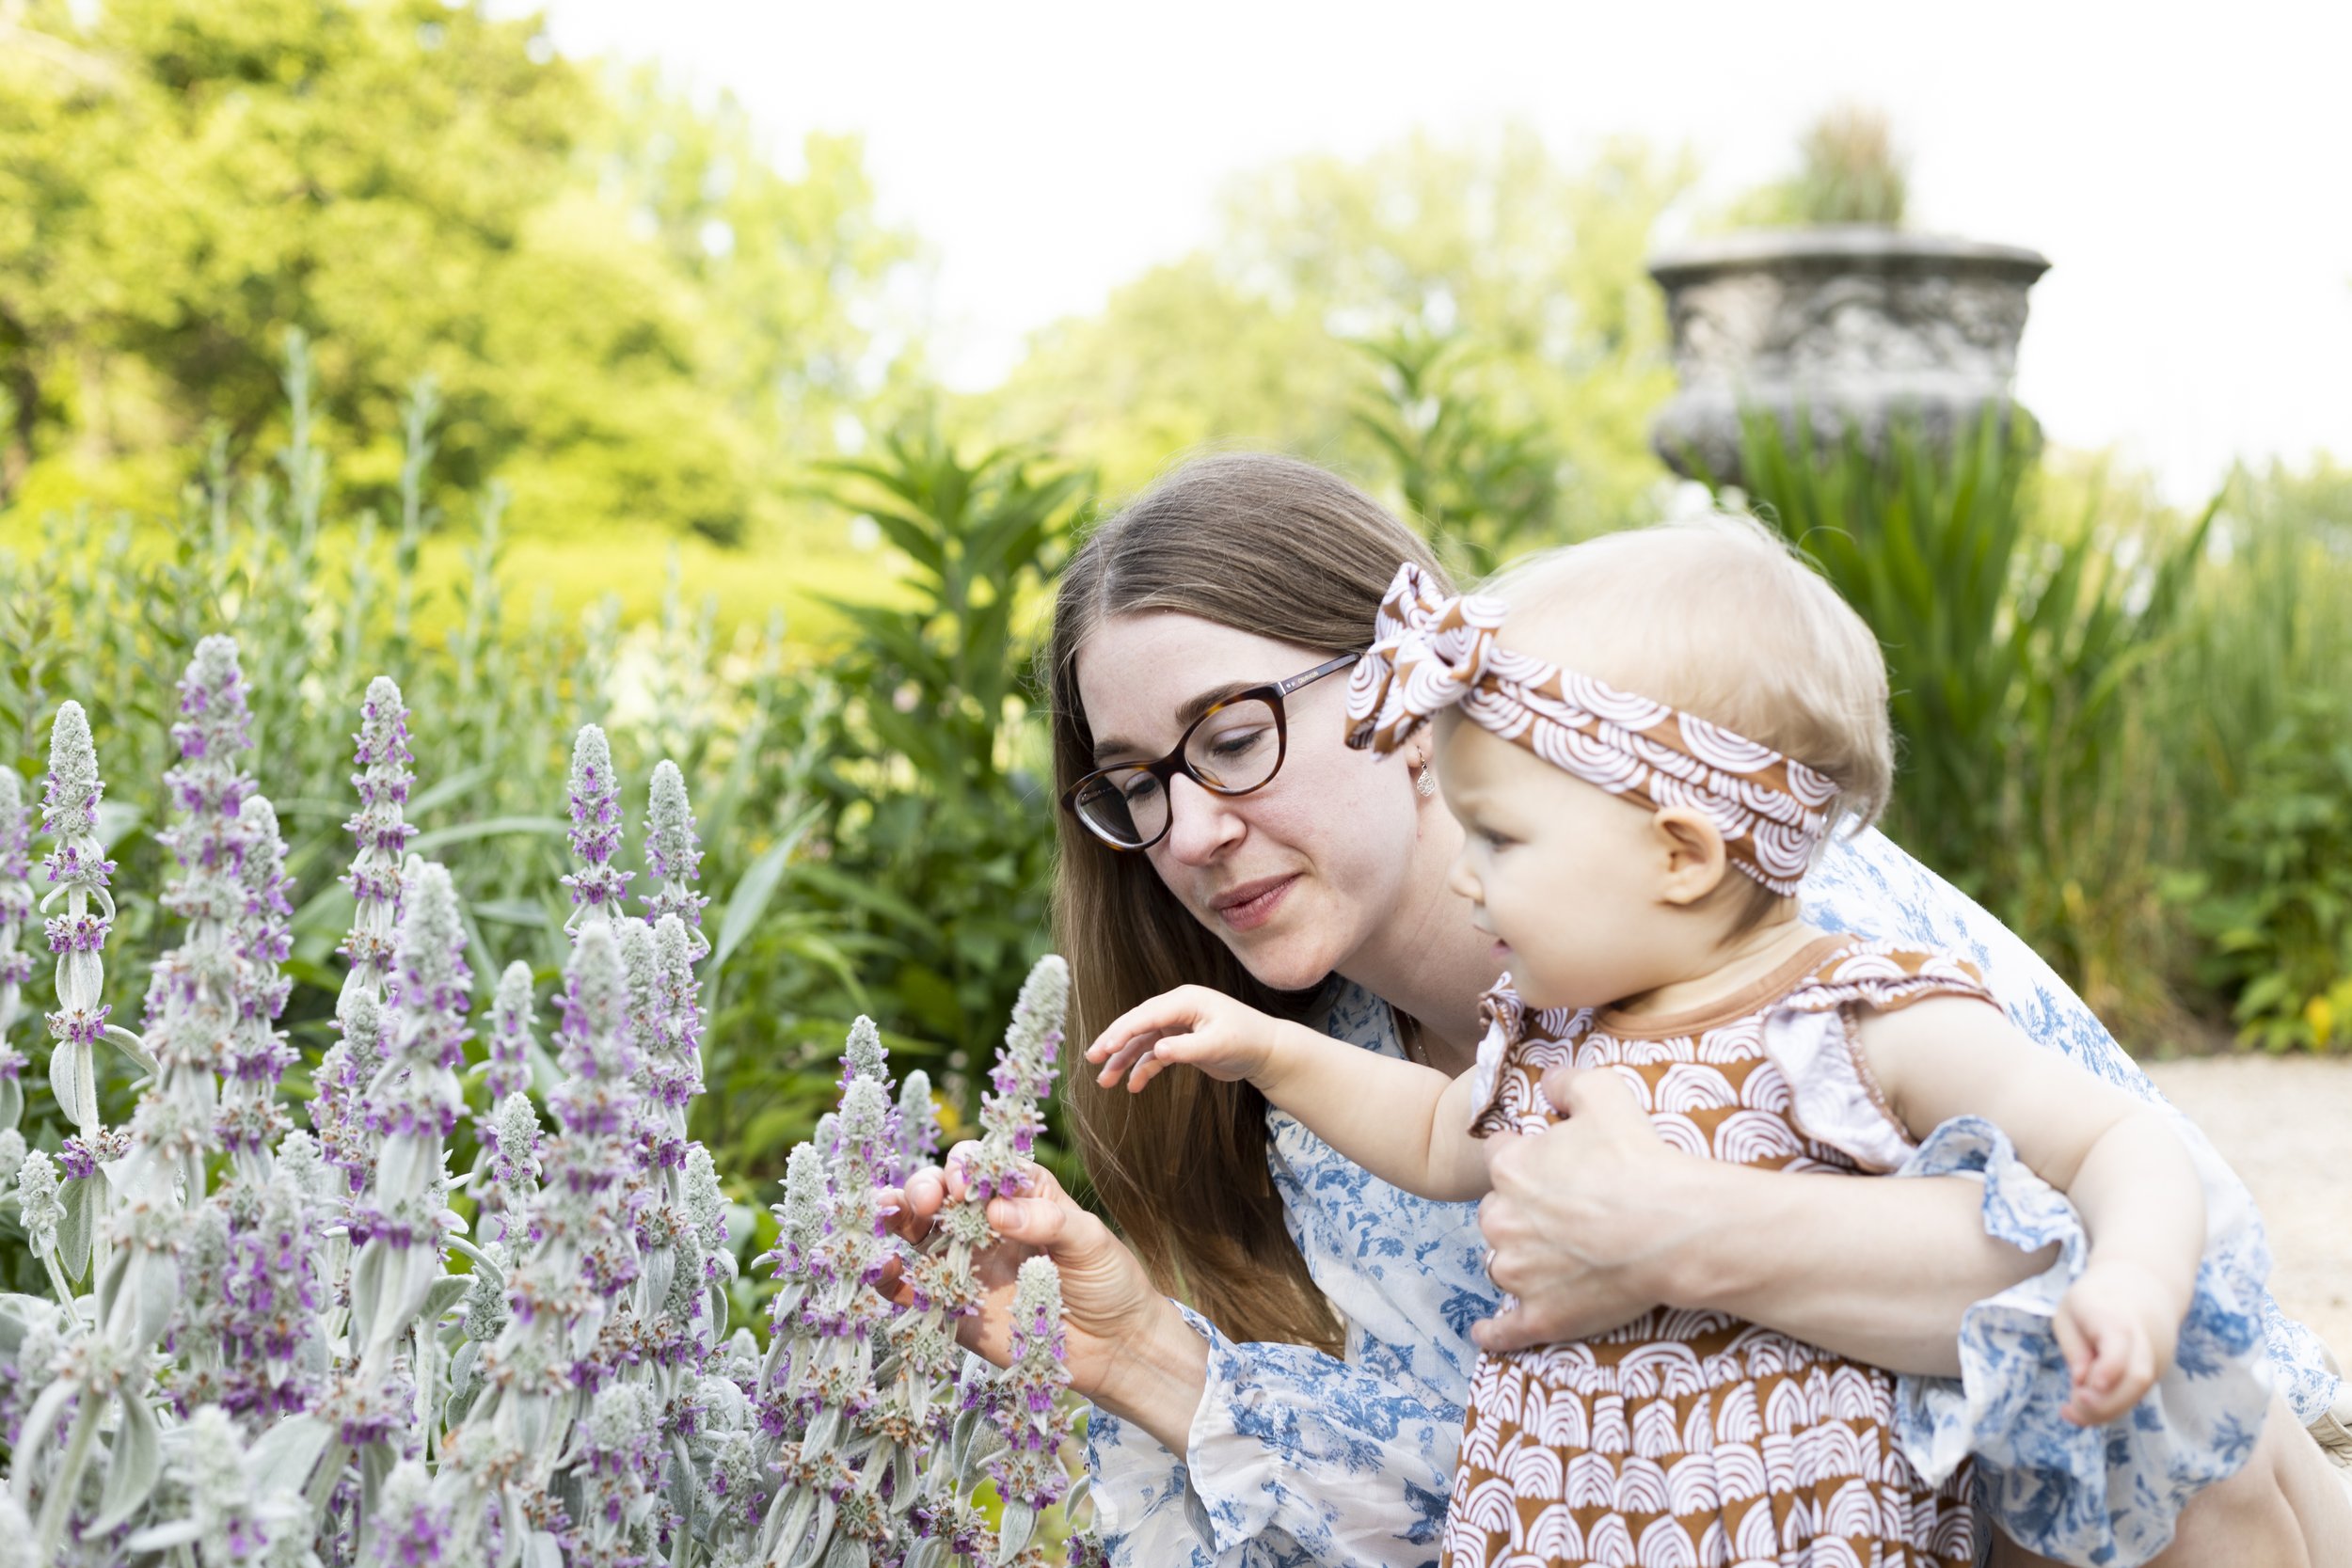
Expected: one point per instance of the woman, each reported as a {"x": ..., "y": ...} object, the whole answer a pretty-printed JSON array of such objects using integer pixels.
[{"x": 1230, "y": 1431}]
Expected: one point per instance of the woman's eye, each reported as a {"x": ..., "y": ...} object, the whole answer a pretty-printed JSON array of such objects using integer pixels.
[
  {"x": 1140, "y": 787},
  {"x": 1236, "y": 743}
]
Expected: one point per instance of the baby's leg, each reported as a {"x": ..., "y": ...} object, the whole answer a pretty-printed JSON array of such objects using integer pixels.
[{"x": 2287, "y": 1508}]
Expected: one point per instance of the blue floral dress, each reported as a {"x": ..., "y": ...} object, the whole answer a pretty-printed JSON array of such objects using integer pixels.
[{"x": 1299, "y": 1461}]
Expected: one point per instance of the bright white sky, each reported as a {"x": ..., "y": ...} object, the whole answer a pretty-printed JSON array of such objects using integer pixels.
[{"x": 2188, "y": 170}]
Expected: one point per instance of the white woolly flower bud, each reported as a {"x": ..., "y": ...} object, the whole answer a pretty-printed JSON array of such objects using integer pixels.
[
  {"x": 70, "y": 810},
  {"x": 511, "y": 1011},
  {"x": 674, "y": 857},
  {"x": 918, "y": 1120},
  {"x": 37, "y": 1208},
  {"x": 802, "y": 1214},
  {"x": 706, "y": 1206},
  {"x": 865, "y": 1056}
]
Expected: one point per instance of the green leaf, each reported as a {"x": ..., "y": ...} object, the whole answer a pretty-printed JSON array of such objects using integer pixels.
[
  {"x": 749, "y": 898},
  {"x": 493, "y": 827}
]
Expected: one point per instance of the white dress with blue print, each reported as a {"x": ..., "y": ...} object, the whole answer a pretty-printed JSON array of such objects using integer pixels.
[{"x": 1298, "y": 1460}]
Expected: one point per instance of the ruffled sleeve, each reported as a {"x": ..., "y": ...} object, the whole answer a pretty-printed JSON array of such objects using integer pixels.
[
  {"x": 2108, "y": 1493},
  {"x": 1296, "y": 1461}
]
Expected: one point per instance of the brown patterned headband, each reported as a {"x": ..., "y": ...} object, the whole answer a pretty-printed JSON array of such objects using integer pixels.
[{"x": 1432, "y": 650}]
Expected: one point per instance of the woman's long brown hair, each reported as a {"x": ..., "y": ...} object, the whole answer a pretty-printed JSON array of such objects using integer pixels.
[{"x": 1283, "y": 550}]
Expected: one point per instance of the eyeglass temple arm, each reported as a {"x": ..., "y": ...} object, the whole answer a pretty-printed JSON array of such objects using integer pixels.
[{"x": 1326, "y": 668}]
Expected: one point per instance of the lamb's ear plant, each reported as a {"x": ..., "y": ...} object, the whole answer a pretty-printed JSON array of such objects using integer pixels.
[
  {"x": 257, "y": 1352},
  {"x": 16, "y": 962}
]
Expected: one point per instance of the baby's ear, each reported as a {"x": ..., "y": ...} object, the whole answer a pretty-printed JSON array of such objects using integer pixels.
[{"x": 1692, "y": 855}]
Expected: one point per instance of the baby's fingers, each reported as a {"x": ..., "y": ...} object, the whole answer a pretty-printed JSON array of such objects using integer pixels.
[
  {"x": 2122, "y": 1367},
  {"x": 1166, "y": 1052},
  {"x": 1119, "y": 1056},
  {"x": 2073, "y": 1343},
  {"x": 1170, "y": 1012}
]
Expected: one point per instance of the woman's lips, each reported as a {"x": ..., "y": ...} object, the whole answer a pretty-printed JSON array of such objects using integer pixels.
[{"x": 1252, "y": 904}]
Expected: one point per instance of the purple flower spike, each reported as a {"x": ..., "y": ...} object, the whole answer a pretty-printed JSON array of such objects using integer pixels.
[
  {"x": 380, "y": 831},
  {"x": 598, "y": 886},
  {"x": 1025, "y": 1407},
  {"x": 1011, "y": 1117}
]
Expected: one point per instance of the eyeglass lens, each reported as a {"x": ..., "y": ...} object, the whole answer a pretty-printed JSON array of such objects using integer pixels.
[{"x": 1232, "y": 751}]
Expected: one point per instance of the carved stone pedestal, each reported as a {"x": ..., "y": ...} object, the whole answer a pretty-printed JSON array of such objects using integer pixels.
[{"x": 1851, "y": 328}]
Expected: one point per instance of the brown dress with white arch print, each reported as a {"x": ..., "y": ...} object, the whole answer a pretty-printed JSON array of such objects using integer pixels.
[{"x": 1692, "y": 1439}]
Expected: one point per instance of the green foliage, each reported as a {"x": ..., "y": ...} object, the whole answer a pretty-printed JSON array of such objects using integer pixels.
[
  {"x": 1486, "y": 488},
  {"x": 2017, "y": 647},
  {"x": 2275, "y": 896},
  {"x": 1848, "y": 171},
  {"x": 2257, "y": 704},
  {"x": 630, "y": 316},
  {"x": 933, "y": 821},
  {"x": 319, "y": 604}
]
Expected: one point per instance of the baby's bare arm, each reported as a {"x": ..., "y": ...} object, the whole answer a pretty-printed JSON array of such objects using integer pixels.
[
  {"x": 2118, "y": 1160},
  {"x": 1406, "y": 1124}
]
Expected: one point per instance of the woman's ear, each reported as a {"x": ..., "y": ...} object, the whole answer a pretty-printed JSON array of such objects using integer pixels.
[{"x": 1694, "y": 858}]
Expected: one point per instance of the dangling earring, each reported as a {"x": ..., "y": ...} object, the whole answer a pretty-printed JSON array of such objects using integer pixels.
[{"x": 1426, "y": 783}]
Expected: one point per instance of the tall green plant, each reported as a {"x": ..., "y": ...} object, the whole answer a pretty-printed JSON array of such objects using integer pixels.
[
  {"x": 1484, "y": 485},
  {"x": 934, "y": 826},
  {"x": 2274, "y": 895},
  {"x": 2014, "y": 642},
  {"x": 2263, "y": 748}
]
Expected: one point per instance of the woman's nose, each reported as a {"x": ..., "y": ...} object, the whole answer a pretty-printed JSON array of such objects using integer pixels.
[{"x": 1199, "y": 822}]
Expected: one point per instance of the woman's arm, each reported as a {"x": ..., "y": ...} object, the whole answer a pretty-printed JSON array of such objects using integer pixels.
[{"x": 1598, "y": 1219}]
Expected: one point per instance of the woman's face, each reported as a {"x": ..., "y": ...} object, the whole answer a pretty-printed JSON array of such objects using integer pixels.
[{"x": 1294, "y": 877}]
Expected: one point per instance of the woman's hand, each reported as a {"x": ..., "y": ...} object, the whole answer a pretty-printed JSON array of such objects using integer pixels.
[
  {"x": 1127, "y": 1348},
  {"x": 1193, "y": 1024},
  {"x": 1574, "y": 1217}
]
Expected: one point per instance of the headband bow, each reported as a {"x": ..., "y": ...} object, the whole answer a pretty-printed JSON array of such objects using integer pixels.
[{"x": 1432, "y": 650}]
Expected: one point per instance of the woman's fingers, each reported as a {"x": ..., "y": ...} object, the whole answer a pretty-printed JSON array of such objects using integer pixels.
[
  {"x": 916, "y": 1203},
  {"x": 955, "y": 1169}
]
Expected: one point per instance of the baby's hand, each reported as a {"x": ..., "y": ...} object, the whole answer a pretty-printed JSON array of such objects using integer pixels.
[
  {"x": 2118, "y": 1326},
  {"x": 1206, "y": 1028}
]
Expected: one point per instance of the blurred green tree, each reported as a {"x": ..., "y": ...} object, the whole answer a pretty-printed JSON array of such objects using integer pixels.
[
  {"x": 629, "y": 314},
  {"x": 1254, "y": 339}
]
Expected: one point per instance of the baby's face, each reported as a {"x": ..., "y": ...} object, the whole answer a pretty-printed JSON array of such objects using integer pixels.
[{"x": 1565, "y": 874}]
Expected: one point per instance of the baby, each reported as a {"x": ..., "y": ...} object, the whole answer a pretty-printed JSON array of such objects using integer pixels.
[{"x": 1645, "y": 741}]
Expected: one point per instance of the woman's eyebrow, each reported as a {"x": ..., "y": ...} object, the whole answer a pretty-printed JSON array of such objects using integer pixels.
[{"x": 1187, "y": 712}]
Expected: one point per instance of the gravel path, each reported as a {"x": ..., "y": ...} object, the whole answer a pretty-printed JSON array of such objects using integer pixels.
[{"x": 2285, "y": 1123}]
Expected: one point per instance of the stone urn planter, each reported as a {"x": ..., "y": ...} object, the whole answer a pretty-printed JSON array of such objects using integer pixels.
[{"x": 1848, "y": 327}]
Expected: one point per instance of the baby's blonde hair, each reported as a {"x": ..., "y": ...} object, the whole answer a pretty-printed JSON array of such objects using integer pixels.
[{"x": 1719, "y": 617}]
